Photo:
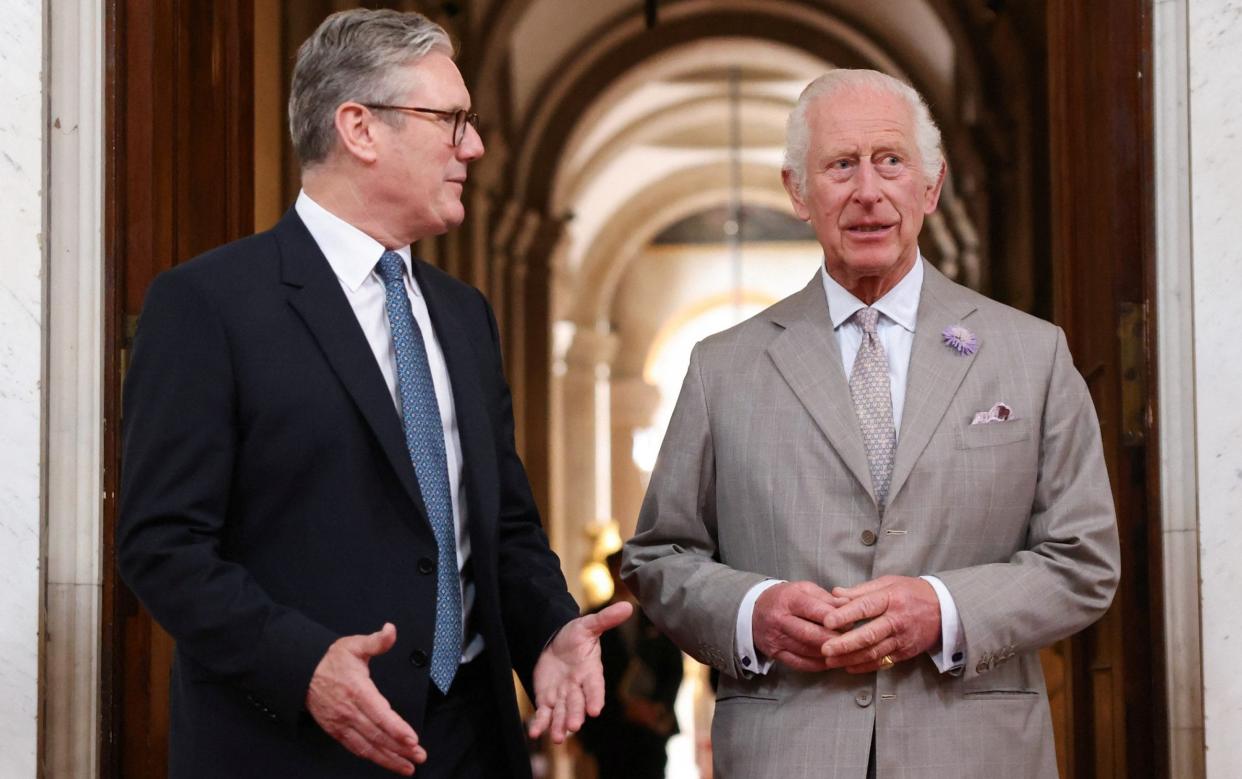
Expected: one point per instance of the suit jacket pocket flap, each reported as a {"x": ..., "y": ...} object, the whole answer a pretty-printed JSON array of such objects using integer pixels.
[{"x": 993, "y": 434}]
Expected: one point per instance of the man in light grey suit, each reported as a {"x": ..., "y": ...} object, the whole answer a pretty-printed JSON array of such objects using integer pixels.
[{"x": 879, "y": 498}]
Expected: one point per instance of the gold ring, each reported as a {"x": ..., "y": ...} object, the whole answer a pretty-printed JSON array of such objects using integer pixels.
[{"x": 886, "y": 662}]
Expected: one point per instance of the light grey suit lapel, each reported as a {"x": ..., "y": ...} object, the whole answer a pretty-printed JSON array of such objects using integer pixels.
[
  {"x": 936, "y": 370},
  {"x": 807, "y": 356}
]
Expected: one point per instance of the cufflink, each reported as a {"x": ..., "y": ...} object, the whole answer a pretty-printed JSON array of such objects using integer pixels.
[{"x": 746, "y": 662}]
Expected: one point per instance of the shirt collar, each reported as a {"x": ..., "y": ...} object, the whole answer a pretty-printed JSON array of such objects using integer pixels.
[
  {"x": 351, "y": 253},
  {"x": 900, "y": 304}
]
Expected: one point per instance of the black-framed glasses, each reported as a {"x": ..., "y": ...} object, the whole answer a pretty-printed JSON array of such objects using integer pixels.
[{"x": 461, "y": 117}]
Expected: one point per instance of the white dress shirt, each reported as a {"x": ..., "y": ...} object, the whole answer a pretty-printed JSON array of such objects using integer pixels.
[
  {"x": 895, "y": 328},
  {"x": 354, "y": 256}
]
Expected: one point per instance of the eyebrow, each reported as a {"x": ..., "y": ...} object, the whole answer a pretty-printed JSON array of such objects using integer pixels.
[{"x": 884, "y": 147}]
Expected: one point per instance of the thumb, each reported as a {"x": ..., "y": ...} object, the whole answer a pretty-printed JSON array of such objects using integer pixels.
[
  {"x": 379, "y": 642},
  {"x": 607, "y": 619}
]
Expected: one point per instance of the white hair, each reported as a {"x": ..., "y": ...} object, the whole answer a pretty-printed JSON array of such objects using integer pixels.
[
  {"x": 798, "y": 131},
  {"x": 354, "y": 55}
]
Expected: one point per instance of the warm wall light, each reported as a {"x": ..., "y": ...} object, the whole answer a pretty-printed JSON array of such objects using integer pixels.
[
  {"x": 605, "y": 535},
  {"x": 596, "y": 583}
]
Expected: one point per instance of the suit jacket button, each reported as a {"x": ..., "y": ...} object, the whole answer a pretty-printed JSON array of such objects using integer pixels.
[
  {"x": 868, "y": 538},
  {"x": 425, "y": 566},
  {"x": 418, "y": 658},
  {"x": 863, "y": 698}
]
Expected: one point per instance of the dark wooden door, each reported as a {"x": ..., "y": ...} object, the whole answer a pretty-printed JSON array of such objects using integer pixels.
[
  {"x": 179, "y": 180},
  {"x": 1102, "y": 248}
]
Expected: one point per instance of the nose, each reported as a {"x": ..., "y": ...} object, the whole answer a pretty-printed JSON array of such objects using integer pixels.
[
  {"x": 867, "y": 184},
  {"x": 471, "y": 146}
]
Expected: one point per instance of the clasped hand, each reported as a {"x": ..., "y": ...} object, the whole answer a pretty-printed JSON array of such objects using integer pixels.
[
  {"x": 893, "y": 616},
  {"x": 808, "y": 628}
]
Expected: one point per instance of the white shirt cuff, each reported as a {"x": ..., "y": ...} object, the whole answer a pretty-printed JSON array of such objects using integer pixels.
[
  {"x": 951, "y": 656},
  {"x": 750, "y": 659}
]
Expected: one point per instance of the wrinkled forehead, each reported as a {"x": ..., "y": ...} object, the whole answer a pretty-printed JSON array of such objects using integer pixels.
[{"x": 861, "y": 115}]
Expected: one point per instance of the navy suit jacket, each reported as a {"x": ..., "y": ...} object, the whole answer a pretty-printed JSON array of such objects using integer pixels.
[{"x": 269, "y": 505}]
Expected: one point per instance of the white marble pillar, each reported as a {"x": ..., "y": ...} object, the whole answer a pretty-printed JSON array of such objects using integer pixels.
[
  {"x": 634, "y": 401},
  {"x": 73, "y": 389},
  {"x": 1215, "y": 89},
  {"x": 582, "y": 446},
  {"x": 22, "y": 187}
]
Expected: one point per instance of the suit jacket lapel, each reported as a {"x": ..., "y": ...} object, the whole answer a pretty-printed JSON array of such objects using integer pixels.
[
  {"x": 935, "y": 373},
  {"x": 809, "y": 359},
  {"x": 316, "y": 295}
]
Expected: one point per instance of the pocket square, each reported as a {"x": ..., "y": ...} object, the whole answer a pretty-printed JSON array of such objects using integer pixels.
[{"x": 1001, "y": 412}]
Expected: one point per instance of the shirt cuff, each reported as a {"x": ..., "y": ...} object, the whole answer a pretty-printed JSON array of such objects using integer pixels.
[
  {"x": 752, "y": 662},
  {"x": 951, "y": 656}
]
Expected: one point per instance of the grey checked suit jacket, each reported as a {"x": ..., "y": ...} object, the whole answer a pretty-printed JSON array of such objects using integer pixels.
[{"x": 763, "y": 475}]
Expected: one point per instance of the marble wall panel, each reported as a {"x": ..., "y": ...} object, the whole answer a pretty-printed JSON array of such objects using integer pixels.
[
  {"x": 22, "y": 176},
  {"x": 1215, "y": 86}
]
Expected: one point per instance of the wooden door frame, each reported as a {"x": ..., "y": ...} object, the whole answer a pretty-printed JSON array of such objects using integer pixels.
[
  {"x": 178, "y": 180},
  {"x": 1103, "y": 262}
]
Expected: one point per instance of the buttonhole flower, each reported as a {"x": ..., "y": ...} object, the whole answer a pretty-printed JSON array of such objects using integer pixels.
[{"x": 960, "y": 340}]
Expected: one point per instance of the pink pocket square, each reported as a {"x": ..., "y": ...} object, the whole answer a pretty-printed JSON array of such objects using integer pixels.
[{"x": 998, "y": 413}]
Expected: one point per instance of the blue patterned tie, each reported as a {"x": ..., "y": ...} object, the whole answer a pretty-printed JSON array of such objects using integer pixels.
[{"x": 424, "y": 437}]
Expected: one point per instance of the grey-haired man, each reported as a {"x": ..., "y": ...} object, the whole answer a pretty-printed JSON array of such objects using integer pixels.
[{"x": 879, "y": 498}]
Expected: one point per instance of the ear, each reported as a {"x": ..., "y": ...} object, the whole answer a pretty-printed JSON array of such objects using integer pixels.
[
  {"x": 795, "y": 197},
  {"x": 355, "y": 129},
  {"x": 932, "y": 198}
]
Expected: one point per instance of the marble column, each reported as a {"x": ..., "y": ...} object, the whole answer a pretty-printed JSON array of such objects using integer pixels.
[
  {"x": 582, "y": 447},
  {"x": 23, "y": 235},
  {"x": 73, "y": 389},
  {"x": 633, "y": 403},
  {"x": 1175, "y": 348}
]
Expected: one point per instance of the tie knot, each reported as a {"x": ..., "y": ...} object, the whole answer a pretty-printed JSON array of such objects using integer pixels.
[
  {"x": 390, "y": 267},
  {"x": 867, "y": 318}
]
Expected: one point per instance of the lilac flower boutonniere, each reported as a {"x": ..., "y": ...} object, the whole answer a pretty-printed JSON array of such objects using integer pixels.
[{"x": 960, "y": 340}]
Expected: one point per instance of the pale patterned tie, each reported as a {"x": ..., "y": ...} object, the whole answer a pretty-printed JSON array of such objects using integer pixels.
[
  {"x": 873, "y": 403},
  {"x": 424, "y": 437}
]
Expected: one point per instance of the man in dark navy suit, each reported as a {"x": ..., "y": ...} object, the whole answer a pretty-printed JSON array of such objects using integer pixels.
[{"x": 321, "y": 500}]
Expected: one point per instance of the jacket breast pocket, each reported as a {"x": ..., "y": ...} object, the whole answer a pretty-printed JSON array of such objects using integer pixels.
[{"x": 993, "y": 434}]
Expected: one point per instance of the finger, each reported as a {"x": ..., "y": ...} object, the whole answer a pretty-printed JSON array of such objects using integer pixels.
[
  {"x": 379, "y": 642},
  {"x": 812, "y": 606},
  {"x": 863, "y": 607},
  {"x": 606, "y": 619},
  {"x": 861, "y": 637},
  {"x": 575, "y": 709},
  {"x": 539, "y": 723},
  {"x": 809, "y": 635},
  {"x": 374, "y": 707},
  {"x": 862, "y": 588},
  {"x": 355, "y": 742},
  {"x": 869, "y": 657},
  {"x": 383, "y": 743},
  {"x": 593, "y": 691},
  {"x": 558, "y": 720}
]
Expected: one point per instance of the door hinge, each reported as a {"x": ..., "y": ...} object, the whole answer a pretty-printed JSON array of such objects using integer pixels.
[{"x": 1132, "y": 358}]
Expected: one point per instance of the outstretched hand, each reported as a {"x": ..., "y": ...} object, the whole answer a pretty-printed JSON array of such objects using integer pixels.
[
  {"x": 569, "y": 676},
  {"x": 348, "y": 706}
]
